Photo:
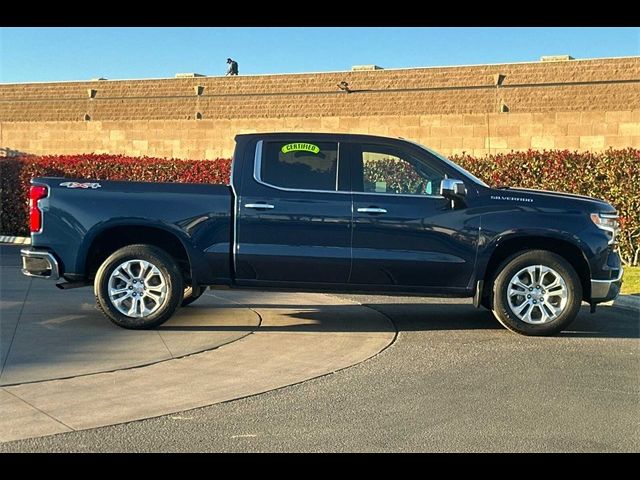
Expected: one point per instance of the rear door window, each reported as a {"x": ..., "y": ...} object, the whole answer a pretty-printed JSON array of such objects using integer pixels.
[{"x": 300, "y": 165}]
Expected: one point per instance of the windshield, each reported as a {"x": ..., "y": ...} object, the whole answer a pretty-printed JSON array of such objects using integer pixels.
[{"x": 453, "y": 165}]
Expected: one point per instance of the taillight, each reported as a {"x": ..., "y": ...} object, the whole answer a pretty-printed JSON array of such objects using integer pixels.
[{"x": 36, "y": 193}]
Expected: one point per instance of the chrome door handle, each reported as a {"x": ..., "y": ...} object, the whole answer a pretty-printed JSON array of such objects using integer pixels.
[
  {"x": 372, "y": 210},
  {"x": 259, "y": 206}
]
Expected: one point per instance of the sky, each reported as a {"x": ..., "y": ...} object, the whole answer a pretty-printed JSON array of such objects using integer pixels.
[{"x": 67, "y": 53}]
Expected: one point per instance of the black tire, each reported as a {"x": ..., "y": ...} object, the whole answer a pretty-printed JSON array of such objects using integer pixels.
[
  {"x": 190, "y": 296},
  {"x": 170, "y": 273},
  {"x": 506, "y": 315}
]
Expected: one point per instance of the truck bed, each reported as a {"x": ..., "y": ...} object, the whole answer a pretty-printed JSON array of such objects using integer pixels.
[{"x": 76, "y": 212}]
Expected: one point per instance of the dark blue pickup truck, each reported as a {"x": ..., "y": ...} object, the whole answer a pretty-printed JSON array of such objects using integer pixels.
[{"x": 329, "y": 213}]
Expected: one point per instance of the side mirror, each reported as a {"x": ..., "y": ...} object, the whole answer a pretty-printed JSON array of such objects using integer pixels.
[{"x": 453, "y": 189}]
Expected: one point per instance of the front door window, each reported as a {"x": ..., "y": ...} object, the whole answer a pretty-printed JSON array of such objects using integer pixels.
[{"x": 390, "y": 172}]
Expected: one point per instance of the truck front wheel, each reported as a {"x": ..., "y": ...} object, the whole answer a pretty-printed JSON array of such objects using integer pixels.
[
  {"x": 139, "y": 287},
  {"x": 536, "y": 293}
]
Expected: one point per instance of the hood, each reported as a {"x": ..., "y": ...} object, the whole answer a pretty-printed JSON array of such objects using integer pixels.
[{"x": 582, "y": 202}]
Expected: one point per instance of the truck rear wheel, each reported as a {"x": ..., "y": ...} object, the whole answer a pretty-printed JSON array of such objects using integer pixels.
[
  {"x": 536, "y": 293},
  {"x": 139, "y": 287}
]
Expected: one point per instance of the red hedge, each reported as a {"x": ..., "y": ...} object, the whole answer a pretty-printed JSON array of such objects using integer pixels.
[
  {"x": 16, "y": 174},
  {"x": 613, "y": 175}
]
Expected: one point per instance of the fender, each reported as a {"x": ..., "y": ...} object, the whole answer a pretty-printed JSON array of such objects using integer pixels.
[
  {"x": 488, "y": 246},
  {"x": 195, "y": 257}
]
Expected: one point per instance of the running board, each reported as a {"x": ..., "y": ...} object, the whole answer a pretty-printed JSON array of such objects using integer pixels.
[{"x": 70, "y": 285}]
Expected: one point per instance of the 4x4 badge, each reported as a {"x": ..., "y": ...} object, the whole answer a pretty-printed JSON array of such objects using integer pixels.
[{"x": 80, "y": 185}]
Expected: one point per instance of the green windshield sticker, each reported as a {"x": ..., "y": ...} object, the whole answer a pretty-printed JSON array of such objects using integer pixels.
[{"x": 300, "y": 147}]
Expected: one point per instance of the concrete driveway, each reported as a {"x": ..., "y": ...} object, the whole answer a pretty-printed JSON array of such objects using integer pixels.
[{"x": 65, "y": 367}]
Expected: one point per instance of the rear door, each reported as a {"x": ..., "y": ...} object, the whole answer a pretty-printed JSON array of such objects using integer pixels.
[{"x": 294, "y": 215}]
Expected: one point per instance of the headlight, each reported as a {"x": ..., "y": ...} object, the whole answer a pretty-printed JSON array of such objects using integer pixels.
[{"x": 607, "y": 222}]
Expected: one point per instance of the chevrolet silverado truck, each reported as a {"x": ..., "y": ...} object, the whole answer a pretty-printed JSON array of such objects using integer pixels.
[{"x": 319, "y": 212}]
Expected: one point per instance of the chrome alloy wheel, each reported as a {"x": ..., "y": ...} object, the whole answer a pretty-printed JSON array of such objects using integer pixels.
[
  {"x": 137, "y": 288},
  {"x": 537, "y": 294}
]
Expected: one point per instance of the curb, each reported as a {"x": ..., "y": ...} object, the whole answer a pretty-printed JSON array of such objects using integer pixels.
[{"x": 15, "y": 240}]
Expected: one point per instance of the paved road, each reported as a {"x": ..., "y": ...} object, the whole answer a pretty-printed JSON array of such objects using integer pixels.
[{"x": 454, "y": 380}]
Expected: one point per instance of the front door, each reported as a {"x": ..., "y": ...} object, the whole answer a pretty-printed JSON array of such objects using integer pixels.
[
  {"x": 406, "y": 236},
  {"x": 294, "y": 218}
]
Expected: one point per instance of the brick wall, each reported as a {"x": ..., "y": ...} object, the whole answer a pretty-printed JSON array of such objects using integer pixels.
[{"x": 583, "y": 105}]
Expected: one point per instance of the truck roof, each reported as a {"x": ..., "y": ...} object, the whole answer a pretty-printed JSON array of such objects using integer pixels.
[{"x": 319, "y": 135}]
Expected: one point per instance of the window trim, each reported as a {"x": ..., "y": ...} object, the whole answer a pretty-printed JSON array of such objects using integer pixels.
[
  {"x": 257, "y": 168},
  {"x": 391, "y": 147},
  {"x": 411, "y": 195}
]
